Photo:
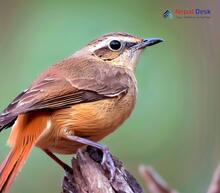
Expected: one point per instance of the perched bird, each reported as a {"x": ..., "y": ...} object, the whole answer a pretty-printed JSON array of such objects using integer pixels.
[{"x": 76, "y": 102}]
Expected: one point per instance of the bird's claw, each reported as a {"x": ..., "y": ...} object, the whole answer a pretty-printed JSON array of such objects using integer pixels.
[{"x": 108, "y": 163}]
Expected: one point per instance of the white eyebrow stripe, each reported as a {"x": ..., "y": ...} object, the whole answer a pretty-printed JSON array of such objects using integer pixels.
[
  {"x": 100, "y": 44},
  {"x": 106, "y": 41}
]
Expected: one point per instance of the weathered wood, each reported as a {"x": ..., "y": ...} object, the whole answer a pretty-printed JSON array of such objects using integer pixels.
[{"x": 90, "y": 177}]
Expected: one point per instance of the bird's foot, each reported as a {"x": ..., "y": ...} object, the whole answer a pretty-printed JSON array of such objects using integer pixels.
[
  {"x": 106, "y": 162},
  {"x": 103, "y": 156}
]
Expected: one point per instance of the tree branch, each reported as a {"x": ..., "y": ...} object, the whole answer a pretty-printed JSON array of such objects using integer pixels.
[
  {"x": 214, "y": 186},
  {"x": 88, "y": 176},
  {"x": 153, "y": 181}
]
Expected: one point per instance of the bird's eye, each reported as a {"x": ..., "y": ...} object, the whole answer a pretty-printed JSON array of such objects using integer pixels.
[{"x": 115, "y": 45}]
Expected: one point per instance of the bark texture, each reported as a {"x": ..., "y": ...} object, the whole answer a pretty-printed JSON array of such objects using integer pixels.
[{"x": 89, "y": 176}]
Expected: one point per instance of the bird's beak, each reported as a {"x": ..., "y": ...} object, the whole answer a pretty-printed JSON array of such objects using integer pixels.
[{"x": 148, "y": 42}]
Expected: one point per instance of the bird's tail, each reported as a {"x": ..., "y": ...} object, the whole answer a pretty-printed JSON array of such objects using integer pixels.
[
  {"x": 12, "y": 166},
  {"x": 25, "y": 134}
]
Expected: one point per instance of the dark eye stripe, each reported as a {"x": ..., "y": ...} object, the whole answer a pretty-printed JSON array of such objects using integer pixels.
[{"x": 130, "y": 44}]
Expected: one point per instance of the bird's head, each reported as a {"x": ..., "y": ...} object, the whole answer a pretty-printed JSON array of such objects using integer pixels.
[{"x": 120, "y": 49}]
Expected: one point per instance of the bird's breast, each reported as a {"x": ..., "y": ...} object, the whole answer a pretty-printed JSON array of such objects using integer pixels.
[
  {"x": 95, "y": 118},
  {"x": 92, "y": 120}
]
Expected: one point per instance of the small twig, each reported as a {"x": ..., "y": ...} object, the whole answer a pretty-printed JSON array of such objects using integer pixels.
[
  {"x": 153, "y": 181},
  {"x": 214, "y": 186}
]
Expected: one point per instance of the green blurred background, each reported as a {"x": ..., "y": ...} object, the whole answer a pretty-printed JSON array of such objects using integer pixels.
[{"x": 175, "y": 126}]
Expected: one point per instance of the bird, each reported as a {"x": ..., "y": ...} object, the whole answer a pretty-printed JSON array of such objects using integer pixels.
[{"x": 74, "y": 103}]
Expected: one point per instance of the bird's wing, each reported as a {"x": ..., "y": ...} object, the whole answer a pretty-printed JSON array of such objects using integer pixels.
[{"x": 55, "y": 91}]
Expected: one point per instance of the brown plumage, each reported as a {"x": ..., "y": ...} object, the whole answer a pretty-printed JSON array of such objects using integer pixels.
[{"x": 87, "y": 95}]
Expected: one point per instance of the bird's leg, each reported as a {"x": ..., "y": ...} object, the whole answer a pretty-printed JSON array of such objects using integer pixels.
[
  {"x": 107, "y": 161},
  {"x": 66, "y": 167}
]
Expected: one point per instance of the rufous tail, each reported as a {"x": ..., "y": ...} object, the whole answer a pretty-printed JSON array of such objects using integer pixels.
[
  {"x": 24, "y": 136},
  {"x": 12, "y": 166}
]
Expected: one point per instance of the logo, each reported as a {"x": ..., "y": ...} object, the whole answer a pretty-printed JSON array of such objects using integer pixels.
[
  {"x": 168, "y": 14},
  {"x": 187, "y": 13}
]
